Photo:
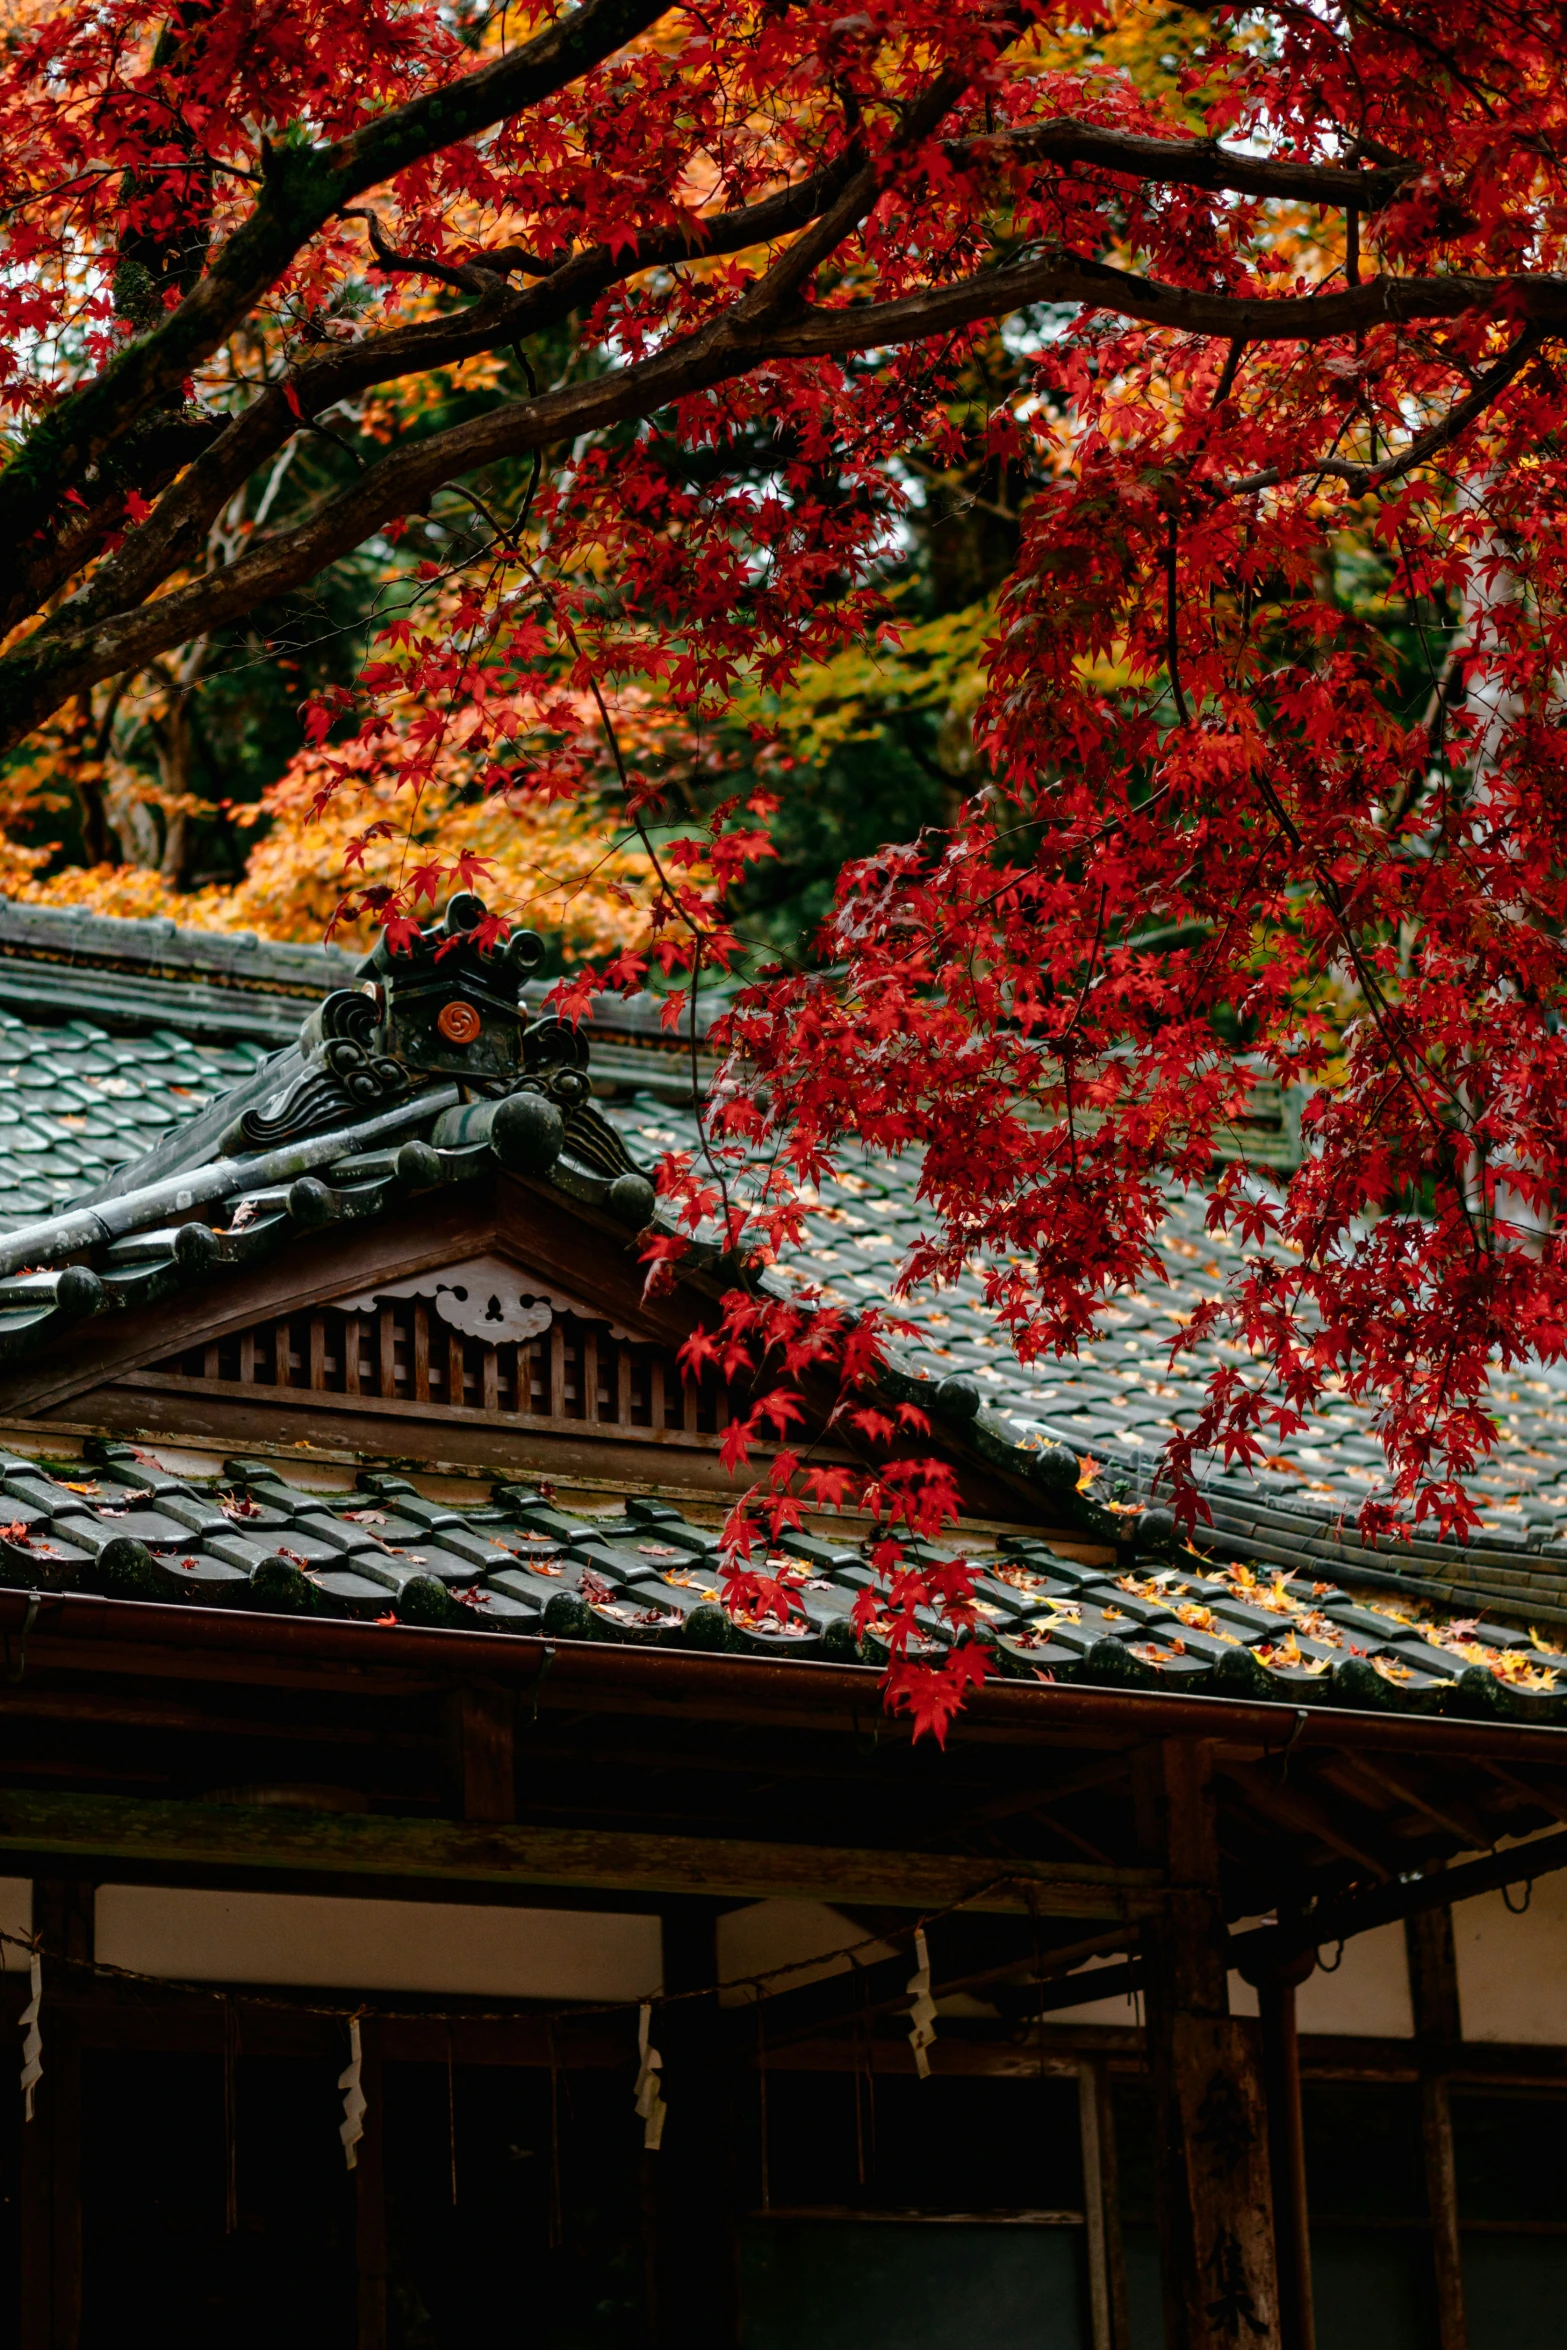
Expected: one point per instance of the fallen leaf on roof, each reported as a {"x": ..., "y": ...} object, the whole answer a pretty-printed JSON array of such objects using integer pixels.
[{"x": 1289, "y": 1652}]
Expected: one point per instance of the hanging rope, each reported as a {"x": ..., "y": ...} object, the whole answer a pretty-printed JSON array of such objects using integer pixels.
[
  {"x": 649, "y": 2090},
  {"x": 32, "y": 2037},
  {"x": 353, "y": 2123},
  {"x": 1528, "y": 1896},
  {"x": 923, "y": 2012},
  {"x": 578, "y": 2011},
  {"x": 649, "y": 2099}
]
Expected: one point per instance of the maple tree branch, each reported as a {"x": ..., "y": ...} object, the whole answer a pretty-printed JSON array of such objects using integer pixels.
[
  {"x": 304, "y": 187},
  {"x": 856, "y": 198},
  {"x": 1190, "y": 163},
  {"x": 146, "y": 460},
  {"x": 498, "y": 317},
  {"x": 78, "y": 649},
  {"x": 1071, "y": 277},
  {"x": 469, "y": 277},
  {"x": 1376, "y": 1003}
]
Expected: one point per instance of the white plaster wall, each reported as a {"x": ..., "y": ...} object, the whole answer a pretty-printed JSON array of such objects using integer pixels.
[
  {"x": 16, "y": 1917},
  {"x": 1127, "y": 2010},
  {"x": 1365, "y": 1997},
  {"x": 801, "y": 1935},
  {"x": 198, "y": 1935},
  {"x": 1512, "y": 1971}
]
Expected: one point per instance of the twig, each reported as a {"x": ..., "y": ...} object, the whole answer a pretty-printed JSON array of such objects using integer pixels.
[{"x": 1363, "y": 479}]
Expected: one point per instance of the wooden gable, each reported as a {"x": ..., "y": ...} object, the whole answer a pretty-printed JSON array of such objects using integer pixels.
[{"x": 497, "y": 1325}]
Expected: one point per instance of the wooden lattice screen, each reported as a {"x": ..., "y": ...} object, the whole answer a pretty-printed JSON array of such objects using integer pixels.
[{"x": 402, "y": 1351}]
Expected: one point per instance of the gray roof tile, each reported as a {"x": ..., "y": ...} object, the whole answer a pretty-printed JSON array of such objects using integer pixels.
[{"x": 77, "y": 1097}]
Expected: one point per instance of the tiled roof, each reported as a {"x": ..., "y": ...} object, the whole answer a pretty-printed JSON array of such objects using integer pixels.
[
  {"x": 646, "y": 1574},
  {"x": 76, "y": 1101},
  {"x": 1118, "y": 1400},
  {"x": 78, "y": 1097}
]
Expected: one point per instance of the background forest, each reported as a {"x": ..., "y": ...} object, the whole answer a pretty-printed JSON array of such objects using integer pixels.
[{"x": 189, "y": 790}]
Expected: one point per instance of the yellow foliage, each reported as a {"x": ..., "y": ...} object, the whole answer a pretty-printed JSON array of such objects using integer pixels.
[
  {"x": 1151, "y": 42},
  {"x": 931, "y": 665}
]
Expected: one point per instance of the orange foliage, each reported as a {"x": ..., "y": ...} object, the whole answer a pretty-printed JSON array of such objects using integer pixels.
[{"x": 563, "y": 867}]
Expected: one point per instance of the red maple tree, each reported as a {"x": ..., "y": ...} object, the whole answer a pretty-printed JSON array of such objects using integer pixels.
[{"x": 1273, "y": 736}]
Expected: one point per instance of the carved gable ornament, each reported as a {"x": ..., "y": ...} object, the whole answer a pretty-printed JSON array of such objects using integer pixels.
[{"x": 483, "y": 1297}]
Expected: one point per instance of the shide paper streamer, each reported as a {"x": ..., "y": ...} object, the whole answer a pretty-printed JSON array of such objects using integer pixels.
[
  {"x": 32, "y": 2037},
  {"x": 649, "y": 2089},
  {"x": 352, "y": 2128},
  {"x": 923, "y": 2012}
]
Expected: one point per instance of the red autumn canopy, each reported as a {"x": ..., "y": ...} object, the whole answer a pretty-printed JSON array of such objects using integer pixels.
[{"x": 1271, "y": 782}]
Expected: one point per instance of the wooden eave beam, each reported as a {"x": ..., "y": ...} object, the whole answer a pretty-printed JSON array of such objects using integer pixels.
[
  {"x": 75, "y": 1633},
  {"x": 1038, "y": 1801},
  {"x": 138, "y": 1710},
  {"x": 126, "y": 1834}
]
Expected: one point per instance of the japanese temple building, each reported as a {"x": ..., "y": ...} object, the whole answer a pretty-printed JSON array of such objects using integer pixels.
[{"x": 430, "y": 1921}]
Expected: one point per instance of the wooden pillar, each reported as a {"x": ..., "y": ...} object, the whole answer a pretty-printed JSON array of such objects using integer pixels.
[
  {"x": 1111, "y": 2325},
  {"x": 1433, "y": 1996},
  {"x": 1433, "y": 1981},
  {"x": 51, "y": 2182},
  {"x": 697, "y": 2282},
  {"x": 370, "y": 2193},
  {"x": 1287, "y": 2154},
  {"x": 1216, "y": 2202},
  {"x": 51, "y": 2208}
]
